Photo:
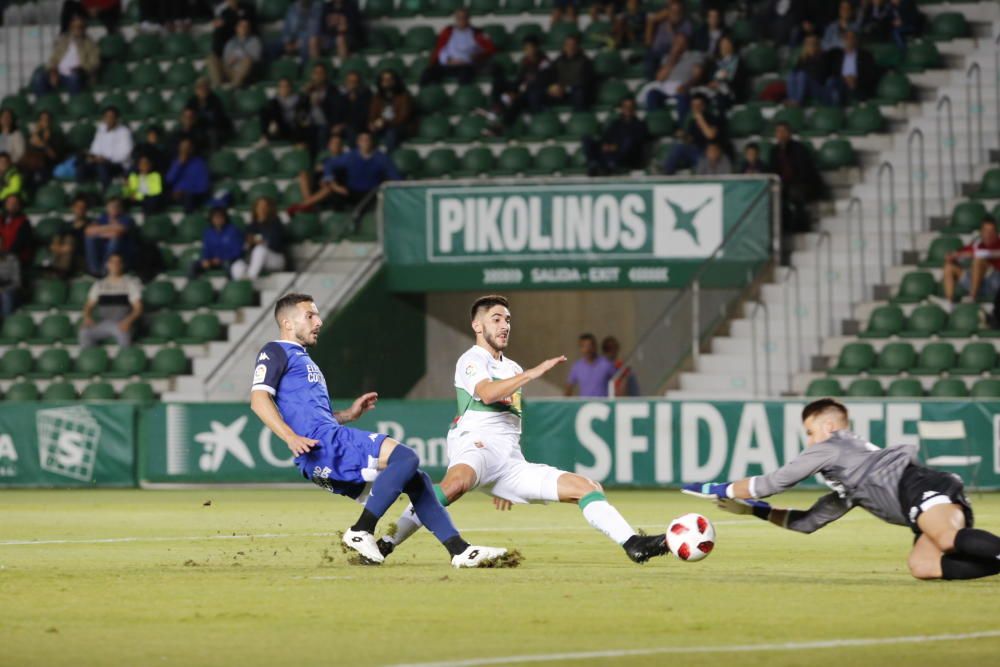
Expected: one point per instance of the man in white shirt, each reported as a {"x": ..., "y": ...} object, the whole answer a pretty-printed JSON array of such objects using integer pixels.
[
  {"x": 459, "y": 52},
  {"x": 110, "y": 150},
  {"x": 113, "y": 306},
  {"x": 74, "y": 61}
]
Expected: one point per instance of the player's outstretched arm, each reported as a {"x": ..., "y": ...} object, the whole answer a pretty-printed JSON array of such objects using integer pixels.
[
  {"x": 361, "y": 405},
  {"x": 263, "y": 406},
  {"x": 827, "y": 509},
  {"x": 491, "y": 391}
]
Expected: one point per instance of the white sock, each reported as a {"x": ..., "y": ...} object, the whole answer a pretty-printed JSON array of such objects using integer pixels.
[
  {"x": 407, "y": 524},
  {"x": 603, "y": 516}
]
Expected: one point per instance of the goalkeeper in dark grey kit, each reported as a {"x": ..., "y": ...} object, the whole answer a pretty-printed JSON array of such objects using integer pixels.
[{"x": 889, "y": 483}]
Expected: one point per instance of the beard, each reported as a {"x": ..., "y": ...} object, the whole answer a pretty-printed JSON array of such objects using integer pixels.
[{"x": 494, "y": 343}]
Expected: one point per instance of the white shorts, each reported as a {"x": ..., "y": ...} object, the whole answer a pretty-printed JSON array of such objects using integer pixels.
[{"x": 501, "y": 469}]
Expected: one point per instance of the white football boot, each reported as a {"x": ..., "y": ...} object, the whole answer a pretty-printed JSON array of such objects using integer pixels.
[
  {"x": 477, "y": 556},
  {"x": 364, "y": 543}
]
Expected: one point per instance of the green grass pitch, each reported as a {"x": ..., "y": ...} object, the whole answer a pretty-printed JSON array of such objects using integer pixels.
[{"x": 256, "y": 578}]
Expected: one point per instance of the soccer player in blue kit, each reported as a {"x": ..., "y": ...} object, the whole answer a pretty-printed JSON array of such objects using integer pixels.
[{"x": 289, "y": 395}]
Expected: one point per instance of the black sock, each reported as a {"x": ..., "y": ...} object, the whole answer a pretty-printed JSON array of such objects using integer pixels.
[
  {"x": 366, "y": 522},
  {"x": 963, "y": 567},
  {"x": 977, "y": 543},
  {"x": 455, "y": 545}
]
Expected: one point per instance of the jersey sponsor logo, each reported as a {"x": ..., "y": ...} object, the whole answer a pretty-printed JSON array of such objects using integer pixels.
[
  {"x": 372, "y": 436},
  {"x": 313, "y": 374},
  {"x": 470, "y": 370},
  {"x": 259, "y": 373},
  {"x": 263, "y": 357}
]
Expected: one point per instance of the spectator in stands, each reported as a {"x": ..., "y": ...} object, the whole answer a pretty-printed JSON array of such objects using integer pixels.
[
  {"x": 461, "y": 52},
  {"x": 15, "y": 231},
  {"x": 73, "y": 64},
  {"x": 833, "y": 36},
  {"x": 227, "y": 15},
  {"x": 239, "y": 59},
  {"x": 110, "y": 150},
  {"x": 662, "y": 28},
  {"x": 341, "y": 27},
  {"x": 853, "y": 73},
  {"x": 360, "y": 170},
  {"x": 46, "y": 148},
  {"x": 527, "y": 90},
  {"x": 701, "y": 127},
  {"x": 221, "y": 244},
  {"x": 591, "y": 373},
  {"x": 211, "y": 114},
  {"x": 301, "y": 27},
  {"x": 66, "y": 246},
  {"x": 109, "y": 235},
  {"x": 776, "y": 20},
  {"x": 706, "y": 37},
  {"x": 10, "y": 281},
  {"x": 173, "y": 16},
  {"x": 152, "y": 147},
  {"x": 144, "y": 187},
  {"x": 571, "y": 77},
  {"x": 807, "y": 80},
  {"x": 813, "y": 16},
  {"x": 334, "y": 147},
  {"x": 714, "y": 162},
  {"x": 265, "y": 242},
  {"x": 626, "y": 383},
  {"x": 724, "y": 84},
  {"x": 800, "y": 181},
  {"x": 108, "y": 12},
  {"x": 354, "y": 105},
  {"x": 564, "y": 10},
  {"x": 324, "y": 101},
  {"x": 188, "y": 180},
  {"x": 11, "y": 139},
  {"x": 188, "y": 128},
  {"x": 606, "y": 8},
  {"x": 630, "y": 25},
  {"x": 974, "y": 267},
  {"x": 681, "y": 72},
  {"x": 11, "y": 182},
  {"x": 752, "y": 164},
  {"x": 113, "y": 306},
  {"x": 620, "y": 145},
  {"x": 391, "y": 115},
  {"x": 285, "y": 117},
  {"x": 905, "y": 20},
  {"x": 876, "y": 19}
]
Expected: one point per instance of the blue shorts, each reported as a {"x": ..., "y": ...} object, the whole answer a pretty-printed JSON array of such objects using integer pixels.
[{"x": 343, "y": 461}]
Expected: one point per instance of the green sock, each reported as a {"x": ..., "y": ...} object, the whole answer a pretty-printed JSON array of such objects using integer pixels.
[
  {"x": 589, "y": 498},
  {"x": 443, "y": 499}
]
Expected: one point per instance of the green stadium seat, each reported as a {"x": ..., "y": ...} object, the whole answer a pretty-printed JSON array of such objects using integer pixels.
[
  {"x": 270, "y": 11},
  {"x": 190, "y": 229},
  {"x": 302, "y": 227},
  {"x": 947, "y": 26},
  {"x": 940, "y": 248},
  {"x": 357, "y": 63},
  {"x": 259, "y": 164},
  {"x": 608, "y": 64},
  {"x": 989, "y": 188},
  {"x": 746, "y": 122},
  {"x": 179, "y": 46},
  {"x": 59, "y": 391},
  {"x": 439, "y": 163},
  {"x": 118, "y": 100},
  {"x": 47, "y": 228},
  {"x": 378, "y": 8},
  {"x": 963, "y": 321},
  {"x": 513, "y": 160},
  {"x": 419, "y": 39},
  {"x": 51, "y": 103},
  {"x": 795, "y": 117},
  {"x": 98, "y": 391},
  {"x": 887, "y": 55},
  {"x": 599, "y": 35},
  {"x": 16, "y": 362},
  {"x": 433, "y": 128},
  {"x": 905, "y": 388},
  {"x": 165, "y": 327},
  {"x": 81, "y": 107},
  {"x": 167, "y": 362},
  {"x": 585, "y": 123},
  {"x": 836, "y": 154},
  {"x": 283, "y": 68},
  {"x": 949, "y": 388},
  {"x": 55, "y": 328},
  {"x": 114, "y": 75},
  {"x": 17, "y": 328},
  {"x": 47, "y": 294},
  {"x": 113, "y": 47},
  {"x": 236, "y": 294},
  {"x": 525, "y": 30},
  {"x": 128, "y": 362},
  {"x": 517, "y": 7},
  {"x": 145, "y": 45},
  {"x": 49, "y": 197},
  {"x": 247, "y": 134},
  {"x": 894, "y": 359},
  {"x": 393, "y": 63},
  {"x": 966, "y": 217},
  {"x": 198, "y": 293},
  {"x": 481, "y": 7},
  {"x": 557, "y": 34},
  {"x": 89, "y": 363},
  {"x": 476, "y": 161},
  {"x": 742, "y": 31},
  {"x": 443, "y": 7},
  {"x": 265, "y": 190},
  {"x": 544, "y": 126},
  {"x": 159, "y": 294},
  {"x": 854, "y": 358},
  {"x": 157, "y": 228},
  {"x": 975, "y": 359},
  {"x": 79, "y": 291},
  {"x": 611, "y": 93},
  {"x": 893, "y": 88},
  {"x": 468, "y": 98},
  {"x": 138, "y": 391},
  {"x": 550, "y": 160},
  {"x": 146, "y": 75},
  {"x": 21, "y": 107},
  {"x": 925, "y": 321},
  {"x": 51, "y": 362},
  {"x": 146, "y": 106},
  {"x": 660, "y": 123},
  {"x": 181, "y": 75},
  {"x": 823, "y": 121},
  {"x": 865, "y": 387},
  {"x": 294, "y": 162},
  {"x": 865, "y": 119},
  {"x": 249, "y": 102},
  {"x": 935, "y": 358},
  {"x": 760, "y": 59},
  {"x": 80, "y": 136},
  {"x": 886, "y": 321},
  {"x": 203, "y": 328},
  {"x": 469, "y": 128},
  {"x": 22, "y": 391},
  {"x": 824, "y": 387},
  {"x": 408, "y": 162},
  {"x": 986, "y": 389},
  {"x": 915, "y": 287}
]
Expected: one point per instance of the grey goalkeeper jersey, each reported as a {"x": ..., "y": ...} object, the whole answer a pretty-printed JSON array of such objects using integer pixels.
[{"x": 859, "y": 473}]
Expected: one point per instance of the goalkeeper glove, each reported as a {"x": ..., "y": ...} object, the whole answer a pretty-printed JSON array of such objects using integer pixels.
[
  {"x": 708, "y": 490},
  {"x": 758, "y": 508}
]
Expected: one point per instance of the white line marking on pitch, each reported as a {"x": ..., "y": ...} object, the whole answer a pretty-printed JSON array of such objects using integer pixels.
[{"x": 737, "y": 648}]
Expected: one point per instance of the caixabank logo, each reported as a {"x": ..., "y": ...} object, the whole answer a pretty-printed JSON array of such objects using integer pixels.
[{"x": 634, "y": 221}]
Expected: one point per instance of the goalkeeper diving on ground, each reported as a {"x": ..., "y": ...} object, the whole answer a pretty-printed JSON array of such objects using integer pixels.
[{"x": 890, "y": 483}]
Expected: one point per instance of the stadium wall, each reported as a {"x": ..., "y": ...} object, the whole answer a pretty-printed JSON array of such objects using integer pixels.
[{"x": 630, "y": 443}]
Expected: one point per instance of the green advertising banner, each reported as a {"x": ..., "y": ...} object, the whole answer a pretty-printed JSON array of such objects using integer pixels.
[
  {"x": 198, "y": 443},
  {"x": 651, "y": 233},
  {"x": 67, "y": 445}
]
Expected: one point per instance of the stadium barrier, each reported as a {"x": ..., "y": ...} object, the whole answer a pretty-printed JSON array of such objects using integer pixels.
[{"x": 625, "y": 443}]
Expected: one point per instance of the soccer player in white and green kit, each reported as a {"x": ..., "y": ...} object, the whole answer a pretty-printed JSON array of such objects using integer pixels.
[{"x": 484, "y": 449}]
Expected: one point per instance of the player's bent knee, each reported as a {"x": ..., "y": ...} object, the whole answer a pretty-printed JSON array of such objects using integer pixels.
[
  {"x": 924, "y": 569},
  {"x": 574, "y": 487}
]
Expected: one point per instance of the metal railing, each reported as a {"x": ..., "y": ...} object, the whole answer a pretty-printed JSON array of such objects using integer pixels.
[
  {"x": 974, "y": 147},
  {"x": 883, "y": 168},
  {"x": 856, "y": 249},
  {"x": 790, "y": 271},
  {"x": 921, "y": 175},
  {"x": 945, "y": 101},
  {"x": 824, "y": 239},
  {"x": 759, "y": 305}
]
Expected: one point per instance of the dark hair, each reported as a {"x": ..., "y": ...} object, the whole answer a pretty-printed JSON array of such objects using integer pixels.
[
  {"x": 608, "y": 342},
  {"x": 79, "y": 196},
  {"x": 987, "y": 219},
  {"x": 754, "y": 145},
  {"x": 588, "y": 336},
  {"x": 487, "y": 302},
  {"x": 531, "y": 39},
  {"x": 824, "y": 405},
  {"x": 5, "y": 154},
  {"x": 700, "y": 96},
  {"x": 290, "y": 300},
  {"x": 784, "y": 124},
  {"x": 13, "y": 117},
  {"x": 111, "y": 107}
]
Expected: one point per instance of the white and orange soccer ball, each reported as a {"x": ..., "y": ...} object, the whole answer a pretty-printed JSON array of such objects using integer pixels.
[{"x": 691, "y": 537}]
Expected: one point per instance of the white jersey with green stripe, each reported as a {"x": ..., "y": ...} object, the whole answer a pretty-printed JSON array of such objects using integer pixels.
[{"x": 501, "y": 417}]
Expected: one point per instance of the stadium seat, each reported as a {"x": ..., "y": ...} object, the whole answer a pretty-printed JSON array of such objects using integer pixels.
[
  {"x": 17, "y": 328},
  {"x": 824, "y": 387},
  {"x": 128, "y": 362},
  {"x": 439, "y": 163},
  {"x": 302, "y": 227},
  {"x": 611, "y": 93},
  {"x": 146, "y": 106},
  {"x": 144, "y": 45},
  {"x": 47, "y": 294},
  {"x": 179, "y": 46},
  {"x": 138, "y": 391},
  {"x": 920, "y": 55},
  {"x": 989, "y": 188},
  {"x": 432, "y": 99},
  {"x": 79, "y": 290},
  {"x": 823, "y": 121},
  {"x": 949, "y": 388},
  {"x": 467, "y": 98},
  {"x": 550, "y": 160},
  {"x": 915, "y": 287},
  {"x": 180, "y": 75},
  {"x": 293, "y": 162},
  {"x": 159, "y": 294},
  {"x": 25, "y": 390},
  {"x": 864, "y": 387},
  {"x": 157, "y": 229},
  {"x": 986, "y": 389},
  {"x": 966, "y": 217},
  {"x": 15, "y": 362},
  {"x": 113, "y": 47},
  {"x": 59, "y": 391},
  {"x": 893, "y": 88},
  {"x": 481, "y": 7},
  {"x": 477, "y": 161},
  {"x": 886, "y": 321},
  {"x": 660, "y": 123},
  {"x": 198, "y": 293},
  {"x": 248, "y": 134},
  {"x": 543, "y": 126},
  {"x": 512, "y": 161},
  {"x": 259, "y": 164},
  {"x": 50, "y": 197},
  {"x": 98, "y": 391},
  {"x": 51, "y": 362},
  {"x": 55, "y": 328},
  {"x": 224, "y": 163},
  {"x": 947, "y": 26},
  {"x": 145, "y": 76},
  {"x": 433, "y": 128},
  {"x": 236, "y": 294},
  {"x": 963, "y": 321},
  {"x": 190, "y": 229},
  {"x": 608, "y": 64},
  {"x": 525, "y": 30},
  {"x": 557, "y": 34},
  {"x": 264, "y": 189},
  {"x": 470, "y": 128},
  {"x": 51, "y": 103},
  {"x": 47, "y": 228},
  {"x": 203, "y": 328},
  {"x": 517, "y": 7},
  {"x": 894, "y": 359},
  {"x": 835, "y": 154},
  {"x": 419, "y": 39},
  {"x": 935, "y": 358},
  {"x": 89, "y": 363},
  {"x": 940, "y": 248},
  {"x": 80, "y": 136},
  {"x": 865, "y": 119},
  {"x": 854, "y": 358},
  {"x": 270, "y": 11},
  {"x": 599, "y": 34},
  {"x": 81, "y": 107},
  {"x": 760, "y": 59},
  {"x": 745, "y": 122},
  {"x": 165, "y": 327},
  {"x": 443, "y": 7},
  {"x": 167, "y": 362},
  {"x": 584, "y": 123},
  {"x": 975, "y": 359},
  {"x": 249, "y": 101},
  {"x": 378, "y": 8},
  {"x": 905, "y": 388}
]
